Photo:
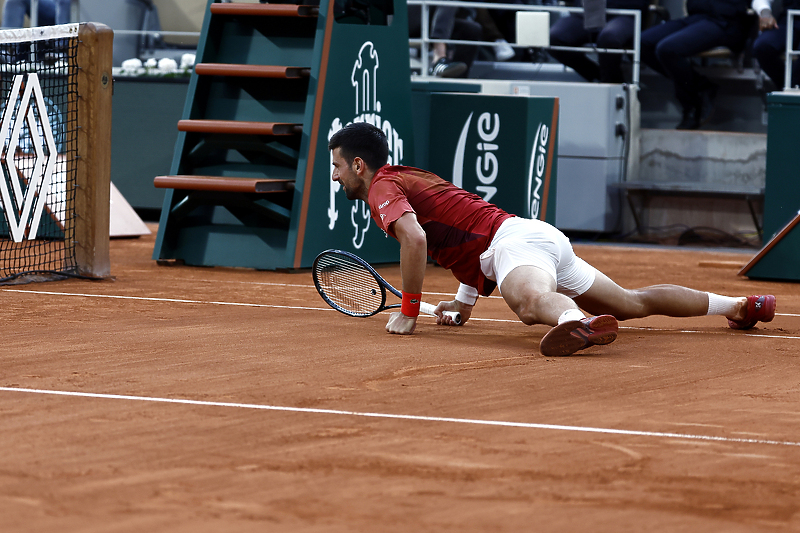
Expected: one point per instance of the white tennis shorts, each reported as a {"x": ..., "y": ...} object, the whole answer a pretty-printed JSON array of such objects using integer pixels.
[{"x": 526, "y": 242}]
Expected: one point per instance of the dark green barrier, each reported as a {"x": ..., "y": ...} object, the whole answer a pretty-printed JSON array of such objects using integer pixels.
[
  {"x": 780, "y": 257},
  {"x": 503, "y": 148},
  {"x": 366, "y": 81}
]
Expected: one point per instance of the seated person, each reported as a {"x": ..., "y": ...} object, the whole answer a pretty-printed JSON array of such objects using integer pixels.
[
  {"x": 491, "y": 32},
  {"x": 449, "y": 23},
  {"x": 616, "y": 33},
  {"x": 458, "y": 24},
  {"x": 668, "y": 48},
  {"x": 770, "y": 45},
  {"x": 50, "y": 12}
]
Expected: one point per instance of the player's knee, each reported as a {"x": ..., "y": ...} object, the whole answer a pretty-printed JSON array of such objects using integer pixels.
[
  {"x": 527, "y": 313},
  {"x": 636, "y": 305}
]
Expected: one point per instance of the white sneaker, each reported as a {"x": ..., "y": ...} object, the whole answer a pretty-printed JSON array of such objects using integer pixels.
[{"x": 502, "y": 50}]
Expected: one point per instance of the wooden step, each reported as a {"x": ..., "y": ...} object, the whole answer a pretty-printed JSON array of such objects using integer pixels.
[
  {"x": 264, "y": 10},
  {"x": 251, "y": 71},
  {"x": 237, "y": 127},
  {"x": 223, "y": 184}
]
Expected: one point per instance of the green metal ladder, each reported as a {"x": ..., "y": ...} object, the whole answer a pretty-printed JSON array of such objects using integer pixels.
[{"x": 250, "y": 182}]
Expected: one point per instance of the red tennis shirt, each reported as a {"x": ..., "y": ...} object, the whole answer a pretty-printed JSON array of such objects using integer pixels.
[{"x": 459, "y": 225}]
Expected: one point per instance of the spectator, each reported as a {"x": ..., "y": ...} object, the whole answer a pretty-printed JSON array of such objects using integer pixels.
[
  {"x": 458, "y": 24},
  {"x": 668, "y": 48},
  {"x": 617, "y": 32},
  {"x": 771, "y": 43},
  {"x": 502, "y": 50},
  {"x": 50, "y": 12}
]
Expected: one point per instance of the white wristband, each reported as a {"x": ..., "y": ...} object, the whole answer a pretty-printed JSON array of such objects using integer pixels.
[{"x": 467, "y": 294}]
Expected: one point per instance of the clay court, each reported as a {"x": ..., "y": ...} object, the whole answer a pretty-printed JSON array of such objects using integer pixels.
[{"x": 213, "y": 399}]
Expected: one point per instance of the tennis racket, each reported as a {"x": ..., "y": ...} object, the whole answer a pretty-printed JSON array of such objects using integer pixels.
[{"x": 350, "y": 285}]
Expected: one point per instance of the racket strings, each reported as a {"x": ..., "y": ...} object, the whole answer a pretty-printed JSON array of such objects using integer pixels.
[{"x": 349, "y": 285}]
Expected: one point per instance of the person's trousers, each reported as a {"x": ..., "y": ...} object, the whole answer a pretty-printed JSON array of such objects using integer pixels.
[
  {"x": 49, "y": 12},
  {"x": 447, "y": 25},
  {"x": 569, "y": 31},
  {"x": 668, "y": 48},
  {"x": 768, "y": 49}
]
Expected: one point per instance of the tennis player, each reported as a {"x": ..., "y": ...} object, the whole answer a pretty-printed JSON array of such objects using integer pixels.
[{"x": 539, "y": 275}]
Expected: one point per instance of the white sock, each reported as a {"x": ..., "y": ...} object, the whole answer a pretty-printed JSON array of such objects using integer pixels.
[
  {"x": 722, "y": 305},
  {"x": 571, "y": 314}
]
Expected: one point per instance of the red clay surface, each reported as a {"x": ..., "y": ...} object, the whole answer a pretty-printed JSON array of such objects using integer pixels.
[{"x": 103, "y": 463}]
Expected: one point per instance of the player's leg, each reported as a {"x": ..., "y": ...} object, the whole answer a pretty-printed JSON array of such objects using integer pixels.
[
  {"x": 531, "y": 293},
  {"x": 605, "y": 296},
  {"x": 671, "y": 300},
  {"x": 524, "y": 259}
]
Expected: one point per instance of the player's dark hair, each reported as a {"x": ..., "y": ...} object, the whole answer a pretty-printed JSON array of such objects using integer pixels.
[{"x": 360, "y": 139}]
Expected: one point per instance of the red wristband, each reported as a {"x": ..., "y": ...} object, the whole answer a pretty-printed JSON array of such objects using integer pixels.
[{"x": 410, "y": 305}]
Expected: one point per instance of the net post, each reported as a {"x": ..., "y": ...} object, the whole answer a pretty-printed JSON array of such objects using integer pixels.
[{"x": 93, "y": 193}]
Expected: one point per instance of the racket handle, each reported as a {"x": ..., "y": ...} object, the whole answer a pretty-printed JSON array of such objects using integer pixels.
[{"x": 428, "y": 310}]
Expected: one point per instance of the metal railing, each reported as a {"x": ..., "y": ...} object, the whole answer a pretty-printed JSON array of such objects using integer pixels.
[
  {"x": 790, "y": 52},
  {"x": 425, "y": 41}
]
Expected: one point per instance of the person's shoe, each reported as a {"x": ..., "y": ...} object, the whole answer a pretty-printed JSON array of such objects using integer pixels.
[
  {"x": 448, "y": 69},
  {"x": 689, "y": 121},
  {"x": 694, "y": 117},
  {"x": 707, "y": 103},
  {"x": 502, "y": 50},
  {"x": 569, "y": 337},
  {"x": 759, "y": 309}
]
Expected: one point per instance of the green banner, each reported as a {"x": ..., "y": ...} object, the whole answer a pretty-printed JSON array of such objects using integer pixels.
[
  {"x": 366, "y": 81},
  {"x": 502, "y": 148}
]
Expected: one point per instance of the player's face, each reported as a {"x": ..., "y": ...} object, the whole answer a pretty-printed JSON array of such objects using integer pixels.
[{"x": 343, "y": 173}]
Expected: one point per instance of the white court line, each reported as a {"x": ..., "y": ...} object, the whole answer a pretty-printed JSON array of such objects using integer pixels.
[
  {"x": 306, "y": 286},
  {"x": 417, "y": 418},
  {"x": 172, "y": 300},
  {"x": 302, "y": 308}
]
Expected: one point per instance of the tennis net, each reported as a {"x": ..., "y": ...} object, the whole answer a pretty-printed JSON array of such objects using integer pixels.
[{"x": 46, "y": 99}]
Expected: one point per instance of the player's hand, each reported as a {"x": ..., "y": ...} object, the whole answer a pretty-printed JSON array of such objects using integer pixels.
[
  {"x": 401, "y": 324},
  {"x": 454, "y": 305}
]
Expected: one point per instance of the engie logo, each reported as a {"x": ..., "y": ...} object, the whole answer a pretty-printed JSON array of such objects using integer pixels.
[
  {"x": 364, "y": 79},
  {"x": 537, "y": 169},
  {"x": 487, "y": 165}
]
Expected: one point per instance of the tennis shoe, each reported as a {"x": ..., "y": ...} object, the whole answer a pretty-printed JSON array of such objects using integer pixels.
[
  {"x": 502, "y": 50},
  {"x": 760, "y": 308},
  {"x": 444, "y": 68},
  {"x": 569, "y": 337}
]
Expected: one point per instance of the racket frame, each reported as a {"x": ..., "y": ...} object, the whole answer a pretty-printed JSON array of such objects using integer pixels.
[{"x": 382, "y": 283}]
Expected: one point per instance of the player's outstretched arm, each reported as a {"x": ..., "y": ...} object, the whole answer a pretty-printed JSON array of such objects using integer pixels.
[
  {"x": 453, "y": 305},
  {"x": 413, "y": 259}
]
